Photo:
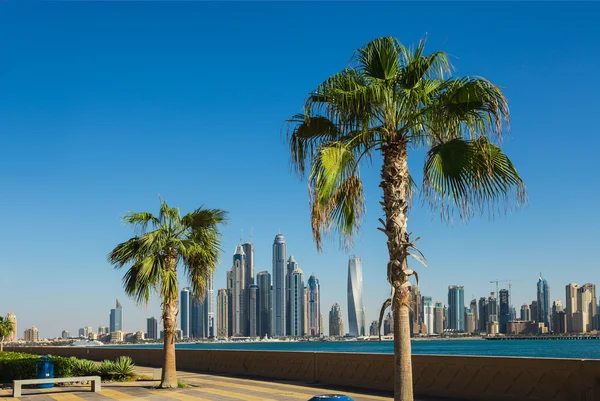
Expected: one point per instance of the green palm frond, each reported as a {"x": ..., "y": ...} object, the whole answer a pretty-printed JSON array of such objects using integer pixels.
[
  {"x": 305, "y": 135},
  {"x": 380, "y": 58},
  {"x": 140, "y": 221},
  {"x": 142, "y": 278},
  {"x": 469, "y": 176},
  {"x": 418, "y": 67},
  {"x": 6, "y": 327}
]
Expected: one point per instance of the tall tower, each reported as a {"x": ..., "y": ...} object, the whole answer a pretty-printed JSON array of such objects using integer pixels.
[
  {"x": 543, "y": 302},
  {"x": 151, "y": 328},
  {"x": 229, "y": 303},
  {"x": 239, "y": 287},
  {"x": 525, "y": 313},
  {"x": 336, "y": 324},
  {"x": 504, "y": 311},
  {"x": 248, "y": 281},
  {"x": 297, "y": 303},
  {"x": 483, "y": 314},
  {"x": 291, "y": 265},
  {"x": 428, "y": 314},
  {"x": 265, "y": 304},
  {"x": 222, "y": 314},
  {"x": 438, "y": 318},
  {"x": 116, "y": 318},
  {"x": 314, "y": 307},
  {"x": 571, "y": 306},
  {"x": 184, "y": 307},
  {"x": 279, "y": 274},
  {"x": 253, "y": 310},
  {"x": 456, "y": 308},
  {"x": 585, "y": 318},
  {"x": 13, "y": 318},
  {"x": 356, "y": 312}
]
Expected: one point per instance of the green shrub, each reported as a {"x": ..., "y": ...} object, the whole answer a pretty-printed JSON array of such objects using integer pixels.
[
  {"x": 83, "y": 367},
  {"x": 62, "y": 366},
  {"x": 106, "y": 369},
  {"x": 123, "y": 368}
]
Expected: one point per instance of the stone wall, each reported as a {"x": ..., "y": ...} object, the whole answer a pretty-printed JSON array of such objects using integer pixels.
[{"x": 465, "y": 378}]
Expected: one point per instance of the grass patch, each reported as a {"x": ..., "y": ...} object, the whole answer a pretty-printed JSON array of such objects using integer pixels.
[{"x": 181, "y": 384}]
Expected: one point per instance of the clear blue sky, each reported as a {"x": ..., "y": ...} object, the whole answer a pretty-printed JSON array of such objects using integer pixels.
[{"x": 106, "y": 105}]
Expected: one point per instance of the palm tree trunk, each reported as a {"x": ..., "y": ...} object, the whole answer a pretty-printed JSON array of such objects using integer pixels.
[
  {"x": 2, "y": 345},
  {"x": 169, "y": 315},
  {"x": 395, "y": 183}
]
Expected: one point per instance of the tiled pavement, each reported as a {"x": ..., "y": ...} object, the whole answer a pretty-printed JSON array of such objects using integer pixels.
[{"x": 202, "y": 388}]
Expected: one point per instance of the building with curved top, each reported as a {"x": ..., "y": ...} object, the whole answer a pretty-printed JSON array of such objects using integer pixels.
[
  {"x": 238, "y": 319},
  {"x": 279, "y": 286},
  {"x": 356, "y": 309},
  {"x": 336, "y": 323},
  {"x": 314, "y": 307}
]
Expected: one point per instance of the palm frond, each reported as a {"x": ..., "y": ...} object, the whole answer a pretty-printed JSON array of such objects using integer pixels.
[
  {"x": 141, "y": 220},
  {"x": 380, "y": 58},
  {"x": 143, "y": 277},
  {"x": 469, "y": 176},
  {"x": 418, "y": 67}
]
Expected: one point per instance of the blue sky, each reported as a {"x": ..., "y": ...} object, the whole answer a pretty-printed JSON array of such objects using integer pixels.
[{"x": 106, "y": 105}]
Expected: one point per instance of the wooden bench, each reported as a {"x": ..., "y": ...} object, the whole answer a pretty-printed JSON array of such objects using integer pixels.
[{"x": 95, "y": 380}]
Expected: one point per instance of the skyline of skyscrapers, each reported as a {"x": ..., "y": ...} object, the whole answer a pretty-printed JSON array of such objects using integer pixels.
[
  {"x": 116, "y": 318},
  {"x": 356, "y": 309}
]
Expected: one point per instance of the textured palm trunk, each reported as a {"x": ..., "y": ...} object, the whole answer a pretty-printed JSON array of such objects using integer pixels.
[
  {"x": 395, "y": 184},
  {"x": 2, "y": 345},
  {"x": 169, "y": 315}
]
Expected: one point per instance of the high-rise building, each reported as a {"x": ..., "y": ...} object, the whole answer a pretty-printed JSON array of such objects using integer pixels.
[
  {"x": 116, "y": 318},
  {"x": 492, "y": 308},
  {"x": 239, "y": 291},
  {"x": 297, "y": 303},
  {"x": 428, "y": 314},
  {"x": 249, "y": 280},
  {"x": 438, "y": 318},
  {"x": 483, "y": 314},
  {"x": 31, "y": 335},
  {"x": 336, "y": 324},
  {"x": 13, "y": 335},
  {"x": 533, "y": 308},
  {"x": 469, "y": 321},
  {"x": 543, "y": 301},
  {"x": 585, "y": 317},
  {"x": 202, "y": 313},
  {"x": 253, "y": 305},
  {"x": 279, "y": 274},
  {"x": 504, "y": 311},
  {"x": 81, "y": 332},
  {"x": 222, "y": 314},
  {"x": 374, "y": 328},
  {"x": 525, "y": 313},
  {"x": 229, "y": 303},
  {"x": 415, "y": 310},
  {"x": 65, "y": 334},
  {"x": 306, "y": 308},
  {"x": 314, "y": 307},
  {"x": 290, "y": 267},
  {"x": 356, "y": 309},
  {"x": 184, "y": 314},
  {"x": 473, "y": 307},
  {"x": 388, "y": 324},
  {"x": 456, "y": 308},
  {"x": 571, "y": 306},
  {"x": 152, "y": 328},
  {"x": 102, "y": 330},
  {"x": 209, "y": 307},
  {"x": 559, "y": 317},
  {"x": 265, "y": 304}
]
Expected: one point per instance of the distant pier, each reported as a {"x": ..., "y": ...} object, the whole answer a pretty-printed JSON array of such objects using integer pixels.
[{"x": 549, "y": 337}]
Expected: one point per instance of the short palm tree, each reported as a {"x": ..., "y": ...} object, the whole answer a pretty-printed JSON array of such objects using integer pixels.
[
  {"x": 389, "y": 100},
  {"x": 6, "y": 329},
  {"x": 192, "y": 242}
]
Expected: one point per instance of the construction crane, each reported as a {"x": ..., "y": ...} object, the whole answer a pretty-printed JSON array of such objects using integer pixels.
[{"x": 509, "y": 282}]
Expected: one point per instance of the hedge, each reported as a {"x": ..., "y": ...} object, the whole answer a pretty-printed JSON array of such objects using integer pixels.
[{"x": 19, "y": 366}]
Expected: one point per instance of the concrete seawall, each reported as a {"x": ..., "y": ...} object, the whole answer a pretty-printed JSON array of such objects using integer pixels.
[{"x": 465, "y": 378}]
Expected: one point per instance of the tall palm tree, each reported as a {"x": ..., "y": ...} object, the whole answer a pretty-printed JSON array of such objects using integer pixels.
[
  {"x": 389, "y": 100},
  {"x": 6, "y": 328},
  {"x": 192, "y": 242}
]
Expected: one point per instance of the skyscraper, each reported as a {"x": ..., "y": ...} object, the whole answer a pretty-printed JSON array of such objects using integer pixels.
[
  {"x": 356, "y": 309},
  {"x": 152, "y": 328},
  {"x": 469, "y": 321},
  {"x": 428, "y": 314},
  {"x": 239, "y": 287},
  {"x": 209, "y": 306},
  {"x": 483, "y": 314},
  {"x": 559, "y": 318},
  {"x": 314, "y": 307},
  {"x": 585, "y": 317},
  {"x": 248, "y": 281},
  {"x": 65, "y": 334},
  {"x": 253, "y": 310},
  {"x": 473, "y": 307},
  {"x": 279, "y": 282},
  {"x": 456, "y": 308},
  {"x": 438, "y": 318},
  {"x": 202, "y": 313},
  {"x": 31, "y": 335},
  {"x": 265, "y": 304},
  {"x": 415, "y": 311},
  {"x": 525, "y": 313},
  {"x": 116, "y": 318},
  {"x": 222, "y": 314},
  {"x": 13, "y": 318},
  {"x": 184, "y": 307},
  {"x": 504, "y": 312},
  {"x": 290, "y": 267},
  {"x": 533, "y": 308},
  {"x": 336, "y": 324},
  {"x": 571, "y": 306},
  {"x": 297, "y": 303},
  {"x": 543, "y": 301},
  {"x": 229, "y": 325}
]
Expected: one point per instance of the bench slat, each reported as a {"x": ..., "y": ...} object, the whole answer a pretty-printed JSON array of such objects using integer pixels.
[{"x": 56, "y": 380}]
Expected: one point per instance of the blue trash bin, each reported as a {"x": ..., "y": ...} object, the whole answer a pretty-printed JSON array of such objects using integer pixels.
[
  {"x": 335, "y": 397},
  {"x": 45, "y": 370}
]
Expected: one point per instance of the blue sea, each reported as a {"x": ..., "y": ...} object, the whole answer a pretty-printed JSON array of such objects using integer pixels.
[{"x": 578, "y": 349}]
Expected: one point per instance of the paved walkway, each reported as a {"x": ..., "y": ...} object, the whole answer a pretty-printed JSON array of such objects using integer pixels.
[{"x": 202, "y": 388}]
